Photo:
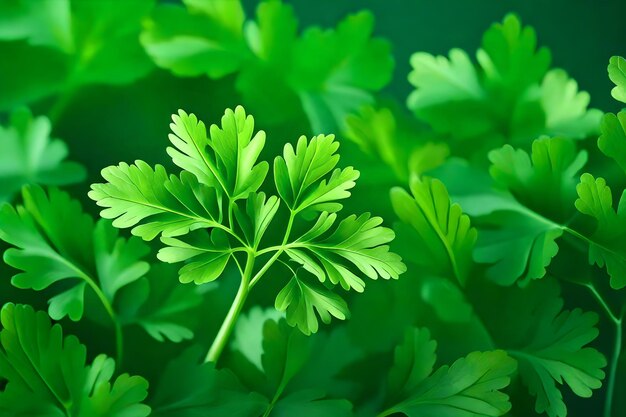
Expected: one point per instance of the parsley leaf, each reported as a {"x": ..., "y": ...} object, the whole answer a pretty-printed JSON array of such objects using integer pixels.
[
  {"x": 321, "y": 74},
  {"x": 470, "y": 386},
  {"x": 606, "y": 249},
  {"x": 189, "y": 388},
  {"x": 549, "y": 343},
  {"x": 543, "y": 181},
  {"x": 617, "y": 74},
  {"x": 46, "y": 373},
  {"x": 207, "y": 38},
  {"x": 444, "y": 234},
  {"x": 613, "y": 137},
  {"x": 89, "y": 256},
  {"x": 298, "y": 173},
  {"x": 202, "y": 221},
  {"x": 91, "y": 43},
  {"x": 30, "y": 156},
  {"x": 510, "y": 97}
]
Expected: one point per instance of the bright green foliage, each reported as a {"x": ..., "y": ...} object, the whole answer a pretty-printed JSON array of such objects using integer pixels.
[
  {"x": 613, "y": 138},
  {"x": 207, "y": 38},
  {"x": 509, "y": 97},
  {"x": 544, "y": 181},
  {"x": 607, "y": 248},
  {"x": 548, "y": 342},
  {"x": 470, "y": 386},
  {"x": 441, "y": 237},
  {"x": 298, "y": 175},
  {"x": 189, "y": 389},
  {"x": 378, "y": 132},
  {"x": 617, "y": 74},
  {"x": 85, "y": 257},
  {"x": 517, "y": 241},
  {"x": 221, "y": 168},
  {"x": 519, "y": 246},
  {"x": 30, "y": 156},
  {"x": 46, "y": 374},
  {"x": 232, "y": 164},
  {"x": 59, "y": 35},
  {"x": 326, "y": 74}
]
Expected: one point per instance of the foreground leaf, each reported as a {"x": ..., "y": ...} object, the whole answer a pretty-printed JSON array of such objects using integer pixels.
[
  {"x": 470, "y": 386},
  {"x": 549, "y": 343},
  {"x": 46, "y": 374}
]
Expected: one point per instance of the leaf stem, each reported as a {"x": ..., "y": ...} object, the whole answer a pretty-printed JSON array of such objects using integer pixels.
[
  {"x": 617, "y": 348},
  {"x": 233, "y": 313},
  {"x": 117, "y": 325},
  {"x": 60, "y": 105},
  {"x": 279, "y": 250},
  {"x": 610, "y": 388}
]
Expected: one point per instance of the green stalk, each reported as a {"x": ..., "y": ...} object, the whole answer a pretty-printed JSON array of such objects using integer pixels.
[
  {"x": 617, "y": 349},
  {"x": 610, "y": 388},
  {"x": 233, "y": 313}
]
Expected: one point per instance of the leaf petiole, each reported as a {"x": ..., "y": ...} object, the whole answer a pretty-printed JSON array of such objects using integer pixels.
[{"x": 233, "y": 313}]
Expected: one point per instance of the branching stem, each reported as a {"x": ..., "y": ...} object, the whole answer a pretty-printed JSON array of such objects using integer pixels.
[{"x": 233, "y": 313}]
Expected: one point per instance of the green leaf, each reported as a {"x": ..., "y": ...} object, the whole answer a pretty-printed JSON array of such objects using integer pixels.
[
  {"x": 509, "y": 56},
  {"x": 170, "y": 206},
  {"x": 189, "y": 388},
  {"x": 30, "y": 156},
  {"x": 448, "y": 89},
  {"x": 210, "y": 256},
  {"x": 301, "y": 175},
  {"x": 311, "y": 403},
  {"x": 519, "y": 246},
  {"x": 612, "y": 140},
  {"x": 546, "y": 180},
  {"x": 162, "y": 307},
  {"x": 207, "y": 38},
  {"x": 549, "y": 343},
  {"x": 509, "y": 97},
  {"x": 326, "y": 73},
  {"x": 93, "y": 42},
  {"x": 285, "y": 352},
  {"x": 518, "y": 241},
  {"x": 302, "y": 179},
  {"x": 46, "y": 374},
  {"x": 302, "y": 298},
  {"x": 414, "y": 361},
  {"x": 443, "y": 233},
  {"x": 232, "y": 163},
  {"x": 48, "y": 252},
  {"x": 44, "y": 23},
  {"x": 606, "y": 249},
  {"x": 356, "y": 242},
  {"x": 263, "y": 82},
  {"x": 248, "y": 333},
  {"x": 381, "y": 133},
  {"x": 617, "y": 74},
  {"x": 336, "y": 71},
  {"x": 257, "y": 217},
  {"x": 565, "y": 108},
  {"x": 470, "y": 386},
  {"x": 446, "y": 299}
]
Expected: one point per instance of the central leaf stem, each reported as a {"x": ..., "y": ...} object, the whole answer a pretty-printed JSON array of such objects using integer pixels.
[{"x": 233, "y": 313}]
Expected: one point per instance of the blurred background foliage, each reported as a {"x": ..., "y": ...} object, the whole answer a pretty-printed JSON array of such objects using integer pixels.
[{"x": 119, "y": 109}]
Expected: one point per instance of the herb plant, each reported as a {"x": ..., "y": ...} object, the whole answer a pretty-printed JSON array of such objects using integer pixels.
[{"x": 495, "y": 284}]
